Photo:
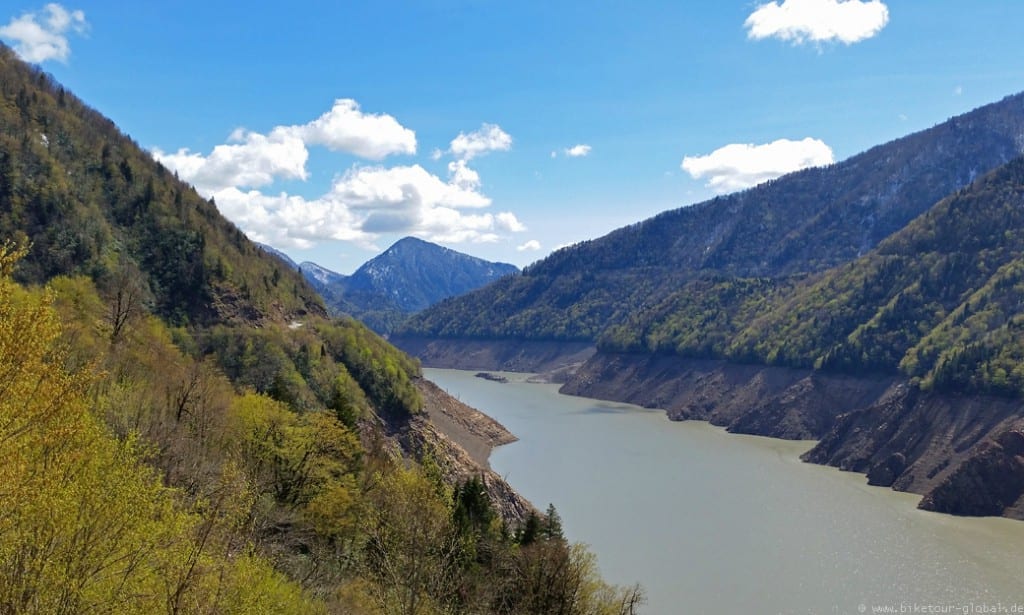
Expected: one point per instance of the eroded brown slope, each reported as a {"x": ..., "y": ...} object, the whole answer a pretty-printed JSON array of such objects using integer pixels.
[{"x": 964, "y": 454}]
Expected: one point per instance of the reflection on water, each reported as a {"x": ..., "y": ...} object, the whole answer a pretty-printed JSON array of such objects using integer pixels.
[{"x": 711, "y": 522}]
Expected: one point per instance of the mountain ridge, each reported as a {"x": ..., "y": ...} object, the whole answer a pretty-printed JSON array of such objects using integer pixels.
[
  {"x": 903, "y": 357},
  {"x": 411, "y": 275},
  {"x": 801, "y": 223}
]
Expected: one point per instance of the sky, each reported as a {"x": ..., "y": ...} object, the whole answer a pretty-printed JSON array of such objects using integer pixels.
[{"x": 508, "y": 129}]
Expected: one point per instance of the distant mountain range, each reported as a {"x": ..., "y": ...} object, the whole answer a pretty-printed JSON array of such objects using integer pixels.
[{"x": 408, "y": 277}]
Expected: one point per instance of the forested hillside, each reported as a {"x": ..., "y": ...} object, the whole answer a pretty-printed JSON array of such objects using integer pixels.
[
  {"x": 182, "y": 428},
  {"x": 93, "y": 203},
  {"x": 938, "y": 301},
  {"x": 805, "y": 222}
]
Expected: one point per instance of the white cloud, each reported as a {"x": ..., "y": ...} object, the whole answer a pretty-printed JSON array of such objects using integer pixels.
[
  {"x": 507, "y": 221},
  {"x": 436, "y": 154},
  {"x": 533, "y": 245},
  {"x": 463, "y": 176},
  {"x": 364, "y": 202},
  {"x": 41, "y": 36},
  {"x": 818, "y": 21},
  {"x": 255, "y": 160},
  {"x": 489, "y": 138},
  {"x": 290, "y": 221},
  {"x": 348, "y": 129},
  {"x": 578, "y": 151},
  {"x": 740, "y": 165},
  {"x": 373, "y": 188},
  {"x": 958, "y": 90}
]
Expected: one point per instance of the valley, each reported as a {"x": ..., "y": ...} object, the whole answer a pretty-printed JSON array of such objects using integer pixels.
[
  {"x": 532, "y": 308},
  {"x": 733, "y": 523}
]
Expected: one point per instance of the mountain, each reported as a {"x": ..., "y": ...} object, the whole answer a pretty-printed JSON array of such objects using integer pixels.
[
  {"x": 936, "y": 301},
  {"x": 279, "y": 254},
  {"x": 905, "y": 363},
  {"x": 184, "y": 429},
  {"x": 875, "y": 305},
  {"x": 804, "y": 222},
  {"x": 93, "y": 203},
  {"x": 321, "y": 277},
  {"x": 408, "y": 277}
]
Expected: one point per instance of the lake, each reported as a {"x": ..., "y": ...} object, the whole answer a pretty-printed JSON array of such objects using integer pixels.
[{"x": 711, "y": 522}]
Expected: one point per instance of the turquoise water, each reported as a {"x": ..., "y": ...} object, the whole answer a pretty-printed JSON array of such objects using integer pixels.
[{"x": 710, "y": 522}]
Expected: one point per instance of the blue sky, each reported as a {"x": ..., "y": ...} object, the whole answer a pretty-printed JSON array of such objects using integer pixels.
[{"x": 330, "y": 130}]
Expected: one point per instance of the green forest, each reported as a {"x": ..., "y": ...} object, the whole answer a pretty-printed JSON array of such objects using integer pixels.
[
  {"x": 184, "y": 430},
  {"x": 939, "y": 301},
  {"x": 900, "y": 260}
]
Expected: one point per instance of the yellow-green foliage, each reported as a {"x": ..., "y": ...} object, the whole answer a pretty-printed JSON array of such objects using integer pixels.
[
  {"x": 267, "y": 506},
  {"x": 85, "y": 525},
  {"x": 309, "y": 462},
  {"x": 177, "y": 419},
  {"x": 385, "y": 373}
]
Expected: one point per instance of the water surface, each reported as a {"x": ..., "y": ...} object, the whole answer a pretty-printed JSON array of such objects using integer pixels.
[{"x": 711, "y": 522}]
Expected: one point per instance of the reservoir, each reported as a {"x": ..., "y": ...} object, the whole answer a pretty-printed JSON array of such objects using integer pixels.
[{"x": 711, "y": 522}]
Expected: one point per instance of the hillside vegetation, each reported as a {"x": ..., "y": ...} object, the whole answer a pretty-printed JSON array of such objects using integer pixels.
[
  {"x": 182, "y": 429},
  {"x": 93, "y": 203},
  {"x": 939, "y": 301},
  {"x": 803, "y": 223}
]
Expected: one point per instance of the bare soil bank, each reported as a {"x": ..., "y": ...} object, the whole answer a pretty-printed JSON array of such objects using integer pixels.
[
  {"x": 964, "y": 455},
  {"x": 556, "y": 359},
  {"x": 460, "y": 438}
]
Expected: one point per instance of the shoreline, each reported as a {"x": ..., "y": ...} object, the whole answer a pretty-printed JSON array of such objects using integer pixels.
[
  {"x": 468, "y": 427},
  {"x": 876, "y": 427}
]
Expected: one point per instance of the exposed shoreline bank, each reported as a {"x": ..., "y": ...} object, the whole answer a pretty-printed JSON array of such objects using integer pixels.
[{"x": 963, "y": 455}]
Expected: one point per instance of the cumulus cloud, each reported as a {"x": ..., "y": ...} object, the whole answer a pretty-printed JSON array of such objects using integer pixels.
[
  {"x": 367, "y": 201},
  {"x": 507, "y": 221},
  {"x": 740, "y": 165},
  {"x": 251, "y": 161},
  {"x": 346, "y": 128},
  {"x": 363, "y": 202},
  {"x": 41, "y": 36},
  {"x": 489, "y": 138},
  {"x": 577, "y": 151},
  {"x": 533, "y": 245},
  {"x": 463, "y": 176},
  {"x": 818, "y": 21}
]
